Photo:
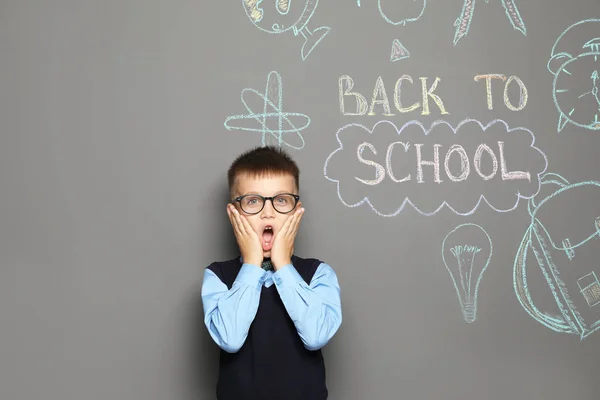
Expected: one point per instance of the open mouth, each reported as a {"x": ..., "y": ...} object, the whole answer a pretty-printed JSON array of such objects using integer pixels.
[{"x": 267, "y": 238}]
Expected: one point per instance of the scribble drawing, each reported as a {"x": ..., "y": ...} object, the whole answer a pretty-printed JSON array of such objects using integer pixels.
[
  {"x": 567, "y": 256},
  {"x": 575, "y": 64},
  {"x": 399, "y": 52},
  {"x": 426, "y": 183},
  {"x": 281, "y": 16},
  {"x": 272, "y": 123},
  {"x": 463, "y": 22},
  {"x": 590, "y": 288},
  {"x": 466, "y": 253}
]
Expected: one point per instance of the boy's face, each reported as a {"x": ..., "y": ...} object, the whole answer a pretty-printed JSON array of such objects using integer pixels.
[{"x": 266, "y": 186}]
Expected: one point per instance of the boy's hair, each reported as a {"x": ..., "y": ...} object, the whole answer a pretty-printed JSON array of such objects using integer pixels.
[{"x": 261, "y": 161}]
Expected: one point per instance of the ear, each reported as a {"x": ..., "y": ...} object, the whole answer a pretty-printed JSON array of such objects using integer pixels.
[{"x": 557, "y": 61}]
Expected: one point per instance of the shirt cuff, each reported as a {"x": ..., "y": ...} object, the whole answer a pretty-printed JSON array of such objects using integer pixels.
[
  {"x": 250, "y": 274},
  {"x": 286, "y": 275}
]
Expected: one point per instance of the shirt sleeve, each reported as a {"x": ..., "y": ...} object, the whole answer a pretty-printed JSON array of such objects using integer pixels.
[
  {"x": 228, "y": 313},
  {"x": 315, "y": 309}
]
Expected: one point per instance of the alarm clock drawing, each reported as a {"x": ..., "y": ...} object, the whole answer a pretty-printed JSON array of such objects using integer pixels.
[
  {"x": 279, "y": 16},
  {"x": 575, "y": 64}
]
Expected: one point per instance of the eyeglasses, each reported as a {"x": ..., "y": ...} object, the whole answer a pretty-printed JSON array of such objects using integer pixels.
[{"x": 254, "y": 203}]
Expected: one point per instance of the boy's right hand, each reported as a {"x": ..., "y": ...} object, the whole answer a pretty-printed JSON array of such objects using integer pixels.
[{"x": 247, "y": 240}]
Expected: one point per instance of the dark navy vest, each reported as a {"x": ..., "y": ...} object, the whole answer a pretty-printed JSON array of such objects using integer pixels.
[{"x": 273, "y": 363}]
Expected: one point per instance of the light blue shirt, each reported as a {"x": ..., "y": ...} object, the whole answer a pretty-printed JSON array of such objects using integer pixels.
[{"x": 314, "y": 308}]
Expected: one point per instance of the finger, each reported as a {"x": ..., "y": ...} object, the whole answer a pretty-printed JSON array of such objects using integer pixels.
[
  {"x": 230, "y": 216},
  {"x": 240, "y": 221},
  {"x": 280, "y": 234},
  {"x": 294, "y": 219},
  {"x": 297, "y": 221},
  {"x": 286, "y": 225},
  {"x": 235, "y": 221},
  {"x": 294, "y": 224},
  {"x": 246, "y": 225}
]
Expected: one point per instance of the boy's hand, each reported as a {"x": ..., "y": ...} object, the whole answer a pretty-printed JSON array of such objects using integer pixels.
[
  {"x": 247, "y": 239},
  {"x": 283, "y": 244}
]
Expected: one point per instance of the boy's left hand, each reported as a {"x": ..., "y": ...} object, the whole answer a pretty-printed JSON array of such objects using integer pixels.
[{"x": 283, "y": 244}]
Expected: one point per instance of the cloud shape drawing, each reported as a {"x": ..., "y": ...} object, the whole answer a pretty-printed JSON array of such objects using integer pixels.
[{"x": 459, "y": 167}]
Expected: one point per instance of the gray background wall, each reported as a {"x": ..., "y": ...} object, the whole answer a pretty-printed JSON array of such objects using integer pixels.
[{"x": 113, "y": 156}]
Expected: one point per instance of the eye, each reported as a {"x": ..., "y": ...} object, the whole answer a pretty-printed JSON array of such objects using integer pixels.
[
  {"x": 568, "y": 249},
  {"x": 593, "y": 45},
  {"x": 251, "y": 199}
]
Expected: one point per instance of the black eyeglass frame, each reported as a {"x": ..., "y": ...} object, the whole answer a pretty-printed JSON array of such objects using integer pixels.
[{"x": 264, "y": 199}]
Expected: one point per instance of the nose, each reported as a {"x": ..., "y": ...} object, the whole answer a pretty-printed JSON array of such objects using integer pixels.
[{"x": 268, "y": 211}]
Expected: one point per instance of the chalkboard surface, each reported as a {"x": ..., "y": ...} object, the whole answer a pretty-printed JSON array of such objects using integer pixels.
[{"x": 449, "y": 170}]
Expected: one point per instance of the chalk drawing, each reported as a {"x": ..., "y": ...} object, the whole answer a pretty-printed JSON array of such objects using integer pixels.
[
  {"x": 273, "y": 123},
  {"x": 523, "y": 94},
  {"x": 399, "y": 52},
  {"x": 549, "y": 247},
  {"x": 380, "y": 97},
  {"x": 486, "y": 163},
  {"x": 466, "y": 253},
  {"x": 281, "y": 16},
  {"x": 405, "y": 20},
  {"x": 590, "y": 288},
  {"x": 575, "y": 64},
  {"x": 463, "y": 22},
  {"x": 402, "y": 4}
]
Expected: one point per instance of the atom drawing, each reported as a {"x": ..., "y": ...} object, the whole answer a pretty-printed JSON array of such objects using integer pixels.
[{"x": 273, "y": 123}]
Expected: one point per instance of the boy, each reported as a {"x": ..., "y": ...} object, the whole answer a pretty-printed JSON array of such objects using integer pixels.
[{"x": 269, "y": 310}]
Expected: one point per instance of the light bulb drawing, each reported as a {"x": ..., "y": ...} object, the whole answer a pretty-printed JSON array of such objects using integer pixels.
[{"x": 466, "y": 253}]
